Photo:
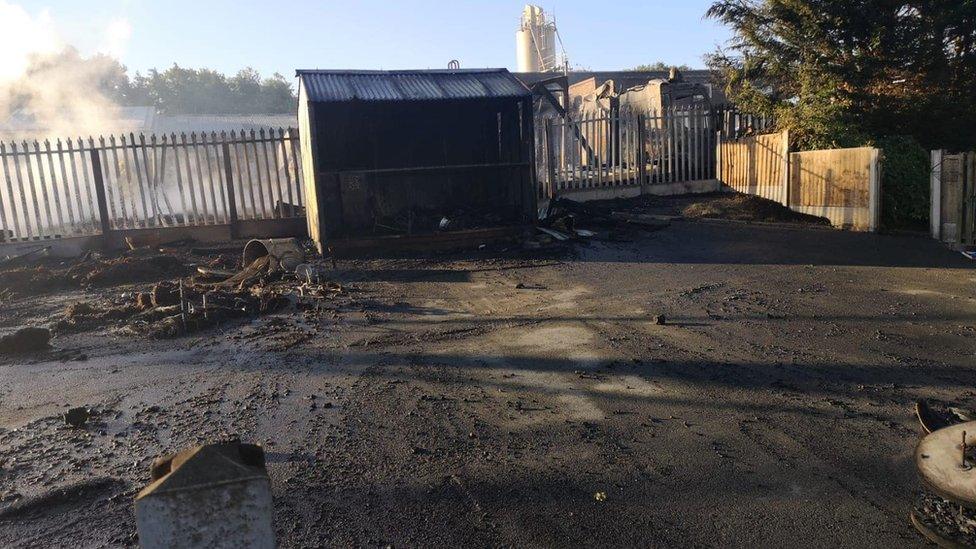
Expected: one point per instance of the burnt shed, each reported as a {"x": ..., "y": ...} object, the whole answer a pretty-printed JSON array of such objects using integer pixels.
[{"x": 390, "y": 155}]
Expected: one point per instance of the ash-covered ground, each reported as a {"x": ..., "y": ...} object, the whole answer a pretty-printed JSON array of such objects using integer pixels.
[{"x": 513, "y": 398}]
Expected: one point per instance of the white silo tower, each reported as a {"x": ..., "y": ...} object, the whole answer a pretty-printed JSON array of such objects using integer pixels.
[{"x": 535, "y": 42}]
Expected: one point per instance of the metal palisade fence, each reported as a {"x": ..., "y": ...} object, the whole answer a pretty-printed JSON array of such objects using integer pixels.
[
  {"x": 79, "y": 187},
  {"x": 626, "y": 149}
]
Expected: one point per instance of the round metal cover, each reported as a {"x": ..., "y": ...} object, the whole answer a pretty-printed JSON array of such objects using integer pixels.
[{"x": 943, "y": 467}]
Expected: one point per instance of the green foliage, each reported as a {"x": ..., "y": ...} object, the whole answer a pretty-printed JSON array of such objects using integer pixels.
[
  {"x": 179, "y": 90},
  {"x": 904, "y": 183},
  {"x": 839, "y": 72},
  {"x": 176, "y": 90},
  {"x": 659, "y": 66}
]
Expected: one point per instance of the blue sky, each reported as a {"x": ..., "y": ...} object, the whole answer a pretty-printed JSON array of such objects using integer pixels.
[{"x": 371, "y": 34}]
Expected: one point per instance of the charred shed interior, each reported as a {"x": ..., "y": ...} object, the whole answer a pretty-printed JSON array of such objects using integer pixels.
[{"x": 415, "y": 152}]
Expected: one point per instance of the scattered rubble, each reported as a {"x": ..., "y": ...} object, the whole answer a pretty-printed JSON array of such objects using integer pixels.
[
  {"x": 83, "y": 316},
  {"x": 746, "y": 207},
  {"x": 942, "y": 521},
  {"x": 645, "y": 221},
  {"x": 91, "y": 272},
  {"x": 621, "y": 218},
  {"x": 77, "y": 417},
  {"x": 938, "y": 415},
  {"x": 189, "y": 294},
  {"x": 133, "y": 269},
  {"x": 25, "y": 340}
]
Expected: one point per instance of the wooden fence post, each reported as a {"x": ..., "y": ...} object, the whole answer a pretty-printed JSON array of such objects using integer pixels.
[
  {"x": 786, "y": 168},
  {"x": 229, "y": 182},
  {"x": 719, "y": 176},
  {"x": 874, "y": 191},
  {"x": 99, "y": 183}
]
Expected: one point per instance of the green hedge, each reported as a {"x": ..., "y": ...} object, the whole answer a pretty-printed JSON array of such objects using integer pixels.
[{"x": 904, "y": 183}]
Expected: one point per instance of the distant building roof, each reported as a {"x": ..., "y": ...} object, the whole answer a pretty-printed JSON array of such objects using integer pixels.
[
  {"x": 111, "y": 120},
  {"x": 218, "y": 123},
  {"x": 429, "y": 85},
  {"x": 623, "y": 79}
]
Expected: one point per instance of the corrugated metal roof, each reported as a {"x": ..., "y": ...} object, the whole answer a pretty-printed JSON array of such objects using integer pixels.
[{"x": 338, "y": 86}]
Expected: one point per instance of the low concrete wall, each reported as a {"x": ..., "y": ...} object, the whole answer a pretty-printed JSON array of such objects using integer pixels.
[
  {"x": 661, "y": 189},
  {"x": 857, "y": 219},
  {"x": 115, "y": 240},
  {"x": 57, "y": 247},
  {"x": 272, "y": 228},
  {"x": 688, "y": 187}
]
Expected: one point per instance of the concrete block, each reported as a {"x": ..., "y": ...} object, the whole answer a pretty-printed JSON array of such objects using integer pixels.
[{"x": 214, "y": 496}]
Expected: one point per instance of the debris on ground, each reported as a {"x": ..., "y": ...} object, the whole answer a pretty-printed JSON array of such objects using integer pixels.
[
  {"x": 492, "y": 343},
  {"x": 11, "y": 260},
  {"x": 646, "y": 221},
  {"x": 271, "y": 282},
  {"x": 133, "y": 269},
  {"x": 91, "y": 272},
  {"x": 937, "y": 415},
  {"x": 77, "y": 417},
  {"x": 25, "y": 281},
  {"x": 747, "y": 207},
  {"x": 83, "y": 316},
  {"x": 622, "y": 218},
  {"x": 25, "y": 340},
  {"x": 560, "y": 236},
  {"x": 943, "y": 522},
  {"x": 188, "y": 293}
]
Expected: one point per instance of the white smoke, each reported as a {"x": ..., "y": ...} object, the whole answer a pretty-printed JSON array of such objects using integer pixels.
[
  {"x": 117, "y": 35},
  {"x": 48, "y": 88},
  {"x": 22, "y": 36}
]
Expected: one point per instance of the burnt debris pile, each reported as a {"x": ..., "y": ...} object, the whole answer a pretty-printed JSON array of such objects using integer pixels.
[{"x": 169, "y": 291}]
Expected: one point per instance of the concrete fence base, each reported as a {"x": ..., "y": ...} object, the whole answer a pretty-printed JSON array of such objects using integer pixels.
[{"x": 116, "y": 239}]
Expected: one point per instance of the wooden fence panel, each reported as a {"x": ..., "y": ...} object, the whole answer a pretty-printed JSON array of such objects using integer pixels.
[
  {"x": 842, "y": 185},
  {"x": 757, "y": 165}
]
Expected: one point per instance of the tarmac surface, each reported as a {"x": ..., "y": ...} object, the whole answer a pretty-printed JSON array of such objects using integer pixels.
[{"x": 528, "y": 401}]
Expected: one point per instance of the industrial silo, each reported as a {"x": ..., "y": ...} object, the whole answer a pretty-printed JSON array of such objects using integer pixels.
[{"x": 535, "y": 42}]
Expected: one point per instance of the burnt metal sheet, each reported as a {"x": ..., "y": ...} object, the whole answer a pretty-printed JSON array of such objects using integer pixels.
[{"x": 344, "y": 86}]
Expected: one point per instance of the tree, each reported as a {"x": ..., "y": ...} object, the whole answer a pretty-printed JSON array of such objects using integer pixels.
[
  {"x": 179, "y": 90},
  {"x": 659, "y": 66},
  {"x": 845, "y": 72}
]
